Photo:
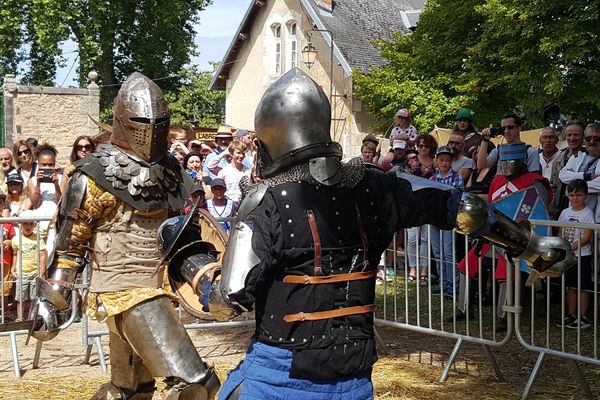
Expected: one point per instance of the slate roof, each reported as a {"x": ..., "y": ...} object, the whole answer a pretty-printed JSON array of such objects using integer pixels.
[{"x": 352, "y": 22}]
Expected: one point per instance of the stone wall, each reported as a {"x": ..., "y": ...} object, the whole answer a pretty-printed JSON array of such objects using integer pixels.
[{"x": 50, "y": 114}]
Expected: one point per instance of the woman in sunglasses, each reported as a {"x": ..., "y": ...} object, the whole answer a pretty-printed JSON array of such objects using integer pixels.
[
  {"x": 82, "y": 146},
  {"x": 24, "y": 160}
]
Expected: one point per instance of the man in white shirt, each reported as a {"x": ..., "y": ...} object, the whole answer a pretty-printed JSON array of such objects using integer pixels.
[
  {"x": 586, "y": 167},
  {"x": 549, "y": 156}
]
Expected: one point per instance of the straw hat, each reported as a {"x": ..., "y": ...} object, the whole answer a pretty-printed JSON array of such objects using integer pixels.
[{"x": 224, "y": 132}]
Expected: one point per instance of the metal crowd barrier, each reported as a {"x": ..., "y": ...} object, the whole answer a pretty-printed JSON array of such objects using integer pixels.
[
  {"x": 17, "y": 222},
  {"x": 464, "y": 315},
  {"x": 461, "y": 315},
  {"x": 90, "y": 338},
  {"x": 542, "y": 329}
]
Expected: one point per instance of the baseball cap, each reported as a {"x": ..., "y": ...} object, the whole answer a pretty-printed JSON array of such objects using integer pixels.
[
  {"x": 444, "y": 150},
  {"x": 240, "y": 133},
  {"x": 197, "y": 188},
  {"x": 403, "y": 112},
  {"x": 14, "y": 176},
  {"x": 399, "y": 144},
  {"x": 218, "y": 182}
]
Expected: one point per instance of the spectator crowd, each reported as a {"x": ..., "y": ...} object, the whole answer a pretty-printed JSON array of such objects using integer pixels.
[
  {"x": 564, "y": 169},
  {"x": 565, "y": 162}
]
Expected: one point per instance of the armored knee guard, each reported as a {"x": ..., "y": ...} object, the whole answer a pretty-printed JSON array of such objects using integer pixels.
[{"x": 158, "y": 337}]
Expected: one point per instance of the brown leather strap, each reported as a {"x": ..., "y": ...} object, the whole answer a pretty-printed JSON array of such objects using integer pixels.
[
  {"x": 312, "y": 223},
  {"x": 340, "y": 312},
  {"x": 208, "y": 267},
  {"x": 363, "y": 237},
  {"x": 62, "y": 283},
  {"x": 305, "y": 279}
]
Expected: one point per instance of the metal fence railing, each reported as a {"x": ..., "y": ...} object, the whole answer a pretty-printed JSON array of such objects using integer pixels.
[
  {"x": 487, "y": 304},
  {"x": 482, "y": 304},
  {"x": 21, "y": 285}
]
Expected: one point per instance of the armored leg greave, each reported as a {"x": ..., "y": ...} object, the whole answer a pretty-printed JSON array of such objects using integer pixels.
[{"x": 143, "y": 346}]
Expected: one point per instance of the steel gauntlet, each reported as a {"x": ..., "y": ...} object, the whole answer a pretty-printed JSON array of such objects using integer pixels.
[{"x": 547, "y": 255}]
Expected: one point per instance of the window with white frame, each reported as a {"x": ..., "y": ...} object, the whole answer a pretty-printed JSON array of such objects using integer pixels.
[
  {"x": 277, "y": 37},
  {"x": 293, "y": 46}
]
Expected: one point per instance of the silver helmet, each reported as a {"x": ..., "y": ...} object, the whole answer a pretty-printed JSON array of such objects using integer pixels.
[
  {"x": 292, "y": 124},
  {"x": 513, "y": 159},
  {"x": 141, "y": 119}
]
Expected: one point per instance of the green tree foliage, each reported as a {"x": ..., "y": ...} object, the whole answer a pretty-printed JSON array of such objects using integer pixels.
[
  {"x": 115, "y": 38},
  {"x": 193, "y": 103},
  {"x": 493, "y": 56}
]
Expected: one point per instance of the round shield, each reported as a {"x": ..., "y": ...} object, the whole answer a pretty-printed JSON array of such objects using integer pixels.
[{"x": 212, "y": 232}]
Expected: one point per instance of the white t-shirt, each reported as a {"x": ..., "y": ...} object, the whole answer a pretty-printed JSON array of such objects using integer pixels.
[
  {"x": 47, "y": 206},
  {"x": 232, "y": 177},
  {"x": 585, "y": 216}
]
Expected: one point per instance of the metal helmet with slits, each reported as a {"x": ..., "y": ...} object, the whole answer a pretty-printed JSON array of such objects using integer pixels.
[
  {"x": 141, "y": 119},
  {"x": 292, "y": 124}
]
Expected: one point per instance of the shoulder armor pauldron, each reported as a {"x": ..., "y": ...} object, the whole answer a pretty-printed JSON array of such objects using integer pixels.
[{"x": 144, "y": 186}]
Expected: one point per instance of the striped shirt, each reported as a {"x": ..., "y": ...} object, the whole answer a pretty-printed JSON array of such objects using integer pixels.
[{"x": 453, "y": 179}]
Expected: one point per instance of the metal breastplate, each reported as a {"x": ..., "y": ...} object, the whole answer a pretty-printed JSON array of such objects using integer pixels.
[{"x": 126, "y": 252}]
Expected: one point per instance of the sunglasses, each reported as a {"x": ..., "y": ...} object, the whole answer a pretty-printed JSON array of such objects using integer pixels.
[
  {"x": 594, "y": 139},
  {"x": 86, "y": 147},
  {"x": 452, "y": 142},
  {"x": 508, "y": 127},
  {"x": 24, "y": 152}
]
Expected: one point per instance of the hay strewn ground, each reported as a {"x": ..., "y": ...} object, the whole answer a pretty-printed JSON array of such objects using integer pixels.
[{"x": 410, "y": 369}]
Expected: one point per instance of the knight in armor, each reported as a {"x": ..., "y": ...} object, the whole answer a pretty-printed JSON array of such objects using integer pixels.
[
  {"x": 305, "y": 248},
  {"x": 115, "y": 202}
]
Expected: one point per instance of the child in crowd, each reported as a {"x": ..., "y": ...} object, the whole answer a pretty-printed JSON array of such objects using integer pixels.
[
  {"x": 196, "y": 193},
  {"x": 220, "y": 206},
  {"x": 25, "y": 267},
  {"x": 8, "y": 231},
  {"x": 580, "y": 239},
  {"x": 16, "y": 199},
  {"x": 441, "y": 240}
]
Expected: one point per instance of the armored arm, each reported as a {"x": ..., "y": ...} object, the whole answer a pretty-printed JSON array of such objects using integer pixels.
[
  {"x": 81, "y": 206},
  {"x": 219, "y": 285},
  {"x": 547, "y": 255},
  {"x": 193, "y": 261}
]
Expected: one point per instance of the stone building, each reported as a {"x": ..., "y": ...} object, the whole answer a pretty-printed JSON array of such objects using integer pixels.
[
  {"x": 269, "y": 42},
  {"x": 53, "y": 114}
]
